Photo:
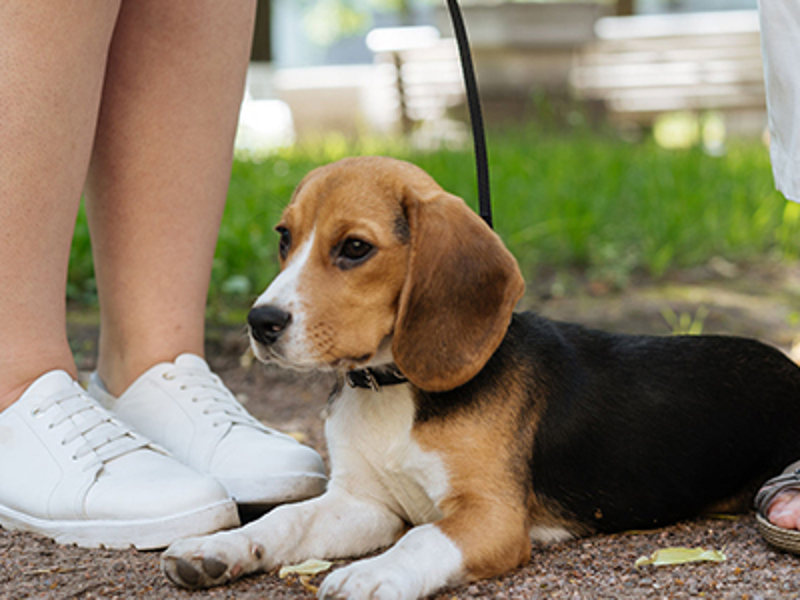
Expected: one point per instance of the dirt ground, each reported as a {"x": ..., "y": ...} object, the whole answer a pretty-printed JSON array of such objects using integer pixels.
[{"x": 723, "y": 298}]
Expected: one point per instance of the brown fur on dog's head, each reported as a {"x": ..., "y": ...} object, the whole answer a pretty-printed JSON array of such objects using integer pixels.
[
  {"x": 437, "y": 278},
  {"x": 460, "y": 289}
]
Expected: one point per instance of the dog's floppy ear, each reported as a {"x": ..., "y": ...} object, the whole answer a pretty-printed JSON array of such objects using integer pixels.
[{"x": 461, "y": 287}]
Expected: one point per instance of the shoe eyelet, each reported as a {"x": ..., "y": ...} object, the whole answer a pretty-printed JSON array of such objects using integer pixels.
[{"x": 167, "y": 376}]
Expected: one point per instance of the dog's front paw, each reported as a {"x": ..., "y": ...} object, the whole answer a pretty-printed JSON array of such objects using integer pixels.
[
  {"x": 211, "y": 560},
  {"x": 370, "y": 580}
]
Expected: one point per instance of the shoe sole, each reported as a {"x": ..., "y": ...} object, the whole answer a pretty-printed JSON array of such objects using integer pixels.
[
  {"x": 142, "y": 534},
  {"x": 280, "y": 489}
]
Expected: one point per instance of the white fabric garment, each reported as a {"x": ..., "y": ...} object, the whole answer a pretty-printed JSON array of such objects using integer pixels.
[{"x": 780, "y": 44}]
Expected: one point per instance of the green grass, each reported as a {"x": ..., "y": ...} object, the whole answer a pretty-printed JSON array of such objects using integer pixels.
[{"x": 560, "y": 200}]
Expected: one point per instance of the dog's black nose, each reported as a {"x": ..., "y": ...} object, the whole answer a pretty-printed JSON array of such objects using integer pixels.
[{"x": 267, "y": 323}]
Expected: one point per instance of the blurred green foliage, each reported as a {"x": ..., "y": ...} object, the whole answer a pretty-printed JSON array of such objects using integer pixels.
[{"x": 576, "y": 199}]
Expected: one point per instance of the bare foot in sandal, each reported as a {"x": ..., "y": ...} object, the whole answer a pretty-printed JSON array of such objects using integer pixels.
[
  {"x": 785, "y": 510},
  {"x": 778, "y": 509}
]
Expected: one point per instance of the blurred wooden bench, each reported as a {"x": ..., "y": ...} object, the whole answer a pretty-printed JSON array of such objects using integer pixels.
[
  {"x": 642, "y": 66},
  {"x": 421, "y": 70}
]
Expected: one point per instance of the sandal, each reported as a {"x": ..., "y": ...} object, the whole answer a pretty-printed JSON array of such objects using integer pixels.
[{"x": 785, "y": 539}]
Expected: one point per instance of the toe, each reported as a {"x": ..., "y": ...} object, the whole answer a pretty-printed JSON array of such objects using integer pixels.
[
  {"x": 784, "y": 511},
  {"x": 214, "y": 567},
  {"x": 181, "y": 572},
  {"x": 195, "y": 573},
  {"x": 188, "y": 575}
]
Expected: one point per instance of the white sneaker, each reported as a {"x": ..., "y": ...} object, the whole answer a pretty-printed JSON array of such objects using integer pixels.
[
  {"x": 187, "y": 409},
  {"x": 73, "y": 472}
]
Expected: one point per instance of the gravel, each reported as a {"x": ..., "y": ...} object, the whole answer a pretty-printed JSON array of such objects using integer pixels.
[{"x": 598, "y": 567}]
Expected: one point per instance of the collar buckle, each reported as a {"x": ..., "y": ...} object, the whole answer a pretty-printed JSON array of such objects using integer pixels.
[{"x": 374, "y": 378}]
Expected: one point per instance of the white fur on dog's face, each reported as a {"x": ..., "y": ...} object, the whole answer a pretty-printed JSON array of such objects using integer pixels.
[
  {"x": 341, "y": 310},
  {"x": 283, "y": 293}
]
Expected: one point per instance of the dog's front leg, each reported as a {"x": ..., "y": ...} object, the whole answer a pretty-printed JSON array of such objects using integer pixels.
[
  {"x": 336, "y": 524},
  {"x": 477, "y": 540},
  {"x": 424, "y": 560}
]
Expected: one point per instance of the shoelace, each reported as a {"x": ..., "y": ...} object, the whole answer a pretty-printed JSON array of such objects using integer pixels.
[
  {"x": 103, "y": 436},
  {"x": 214, "y": 398}
]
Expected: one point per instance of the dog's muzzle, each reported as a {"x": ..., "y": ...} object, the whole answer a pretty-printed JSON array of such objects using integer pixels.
[{"x": 267, "y": 323}]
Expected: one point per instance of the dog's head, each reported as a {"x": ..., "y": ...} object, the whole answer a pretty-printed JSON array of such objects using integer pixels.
[{"x": 380, "y": 264}]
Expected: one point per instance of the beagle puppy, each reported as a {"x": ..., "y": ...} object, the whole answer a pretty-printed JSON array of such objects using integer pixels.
[{"x": 460, "y": 431}]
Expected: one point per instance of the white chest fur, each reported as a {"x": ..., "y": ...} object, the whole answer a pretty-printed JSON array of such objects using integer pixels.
[{"x": 373, "y": 452}]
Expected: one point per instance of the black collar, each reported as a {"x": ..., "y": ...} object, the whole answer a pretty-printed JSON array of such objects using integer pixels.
[{"x": 374, "y": 378}]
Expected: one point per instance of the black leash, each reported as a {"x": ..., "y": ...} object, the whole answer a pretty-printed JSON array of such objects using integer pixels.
[
  {"x": 475, "y": 114},
  {"x": 374, "y": 378}
]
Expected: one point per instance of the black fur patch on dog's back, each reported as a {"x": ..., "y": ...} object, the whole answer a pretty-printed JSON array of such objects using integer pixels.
[
  {"x": 635, "y": 431},
  {"x": 645, "y": 431}
]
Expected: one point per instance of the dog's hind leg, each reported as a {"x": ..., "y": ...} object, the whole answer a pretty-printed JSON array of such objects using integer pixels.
[{"x": 337, "y": 524}]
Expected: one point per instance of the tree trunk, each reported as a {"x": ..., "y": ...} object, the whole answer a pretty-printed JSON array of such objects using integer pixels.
[
  {"x": 262, "y": 38},
  {"x": 625, "y": 7}
]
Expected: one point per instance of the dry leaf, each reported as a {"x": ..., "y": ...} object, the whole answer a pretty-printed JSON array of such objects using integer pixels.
[
  {"x": 310, "y": 567},
  {"x": 304, "y": 581},
  {"x": 298, "y": 435},
  {"x": 246, "y": 359},
  {"x": 723, "y": 517},
  {"x": 677, "y": 556}
]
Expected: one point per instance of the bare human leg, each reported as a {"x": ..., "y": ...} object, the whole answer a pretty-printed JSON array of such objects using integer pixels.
[
  {"x": 159, "y": 175},
  {"x": 96, "y": 482},
  {"x": 155, "y": 196},
  {"x": 51, "y": 74}
]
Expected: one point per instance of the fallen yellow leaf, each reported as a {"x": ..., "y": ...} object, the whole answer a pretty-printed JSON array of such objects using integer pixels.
[
  {"x": 677, "y": 556},
  {"x": 246, "y": 359},
  {"x": 304, "y": 581},
  {"x": 724, "y": 517},
  {"x": 298, "y": 435},
  {"x": 312, "y": 566}
]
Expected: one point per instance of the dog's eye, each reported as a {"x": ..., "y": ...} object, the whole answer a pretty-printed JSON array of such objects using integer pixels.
[
  {"x": 355, "y": 249},
  {"x": 352, "y": 252},
  {"x": 285, "y": 242}
]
